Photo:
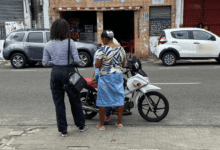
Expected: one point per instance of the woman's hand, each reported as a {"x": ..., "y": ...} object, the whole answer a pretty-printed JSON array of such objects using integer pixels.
[{"x": 123, "y": 63}]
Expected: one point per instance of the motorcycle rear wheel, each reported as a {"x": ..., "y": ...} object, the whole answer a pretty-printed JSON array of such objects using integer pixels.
[
  {"x": 87, "y": 114},
  {"x": 146, "y": 112}
]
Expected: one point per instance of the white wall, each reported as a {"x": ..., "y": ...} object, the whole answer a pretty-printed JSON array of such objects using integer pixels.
[
  {"x": 1, "y": 48},
  {"x": 179, "y": 12},
  {"x": 46, "y": 14},
  {"x": 27, "y": 14}
]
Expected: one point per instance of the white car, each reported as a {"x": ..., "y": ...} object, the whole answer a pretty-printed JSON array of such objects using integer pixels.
[{"x": 187, "y": 43}]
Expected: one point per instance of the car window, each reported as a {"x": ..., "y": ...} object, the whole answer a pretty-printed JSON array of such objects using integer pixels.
[
  {"x": 162, "y": 35},
  {"x": 35, "y": 37},
  {"x": 201, "y": 35},
  {"x": 10, "y": 36},
  {"x": 18, "y": 37},
  {"x": 180, "y": 34},
  {"x": 48, "y": 36}
]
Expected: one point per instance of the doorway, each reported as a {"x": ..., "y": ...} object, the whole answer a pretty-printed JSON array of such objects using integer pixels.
[
  {"x": 122, "y": 24},
  {"x": 85, "y": 23}
]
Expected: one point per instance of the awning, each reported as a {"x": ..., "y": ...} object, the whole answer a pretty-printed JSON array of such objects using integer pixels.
[{"x": 97, "y": 8}]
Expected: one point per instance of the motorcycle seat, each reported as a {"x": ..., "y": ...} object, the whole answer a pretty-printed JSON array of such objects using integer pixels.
[{"x": 90, "y": 83}]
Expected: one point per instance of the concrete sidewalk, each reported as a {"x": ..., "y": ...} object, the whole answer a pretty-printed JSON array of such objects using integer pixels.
[{"x": 113, "y": 138}]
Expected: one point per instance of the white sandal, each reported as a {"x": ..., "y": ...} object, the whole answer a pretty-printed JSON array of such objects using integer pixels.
[
  {"x": 100, "y": 127},
  {"x": 119, "y": 125}
]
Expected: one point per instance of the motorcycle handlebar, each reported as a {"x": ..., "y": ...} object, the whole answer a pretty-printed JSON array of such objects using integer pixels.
[{"x": 127, "y": 67}]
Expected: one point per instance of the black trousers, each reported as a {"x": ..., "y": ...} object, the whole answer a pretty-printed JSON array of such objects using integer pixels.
[{"x": 59, "y": 77}]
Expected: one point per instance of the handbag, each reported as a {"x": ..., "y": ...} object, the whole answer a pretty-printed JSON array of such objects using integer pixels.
[{"x": 76, "y": 81}]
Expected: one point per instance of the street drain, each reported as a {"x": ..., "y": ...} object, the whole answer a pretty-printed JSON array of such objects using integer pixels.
[{"x": 77, "y": 147}]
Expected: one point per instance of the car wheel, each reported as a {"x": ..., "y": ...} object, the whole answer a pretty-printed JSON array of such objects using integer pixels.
[
  {"x": 84, "y": 59},
  {"x": 169, "y": 59},
  {"x": 18, "y": 60},
  {"x": 218, "y": 60},
  {"x": 33, "y": 63}
]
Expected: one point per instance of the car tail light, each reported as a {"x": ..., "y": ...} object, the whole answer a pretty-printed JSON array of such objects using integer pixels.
[
  {"x": 162, "y": 40},
  {"x": 4, "y": 44}
]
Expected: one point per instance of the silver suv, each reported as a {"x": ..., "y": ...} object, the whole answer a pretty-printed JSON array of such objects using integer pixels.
[{"x": 26, "y": 47}]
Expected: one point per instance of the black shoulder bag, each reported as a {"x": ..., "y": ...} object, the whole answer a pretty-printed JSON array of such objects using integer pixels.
[{"x": 76, "y": 81}]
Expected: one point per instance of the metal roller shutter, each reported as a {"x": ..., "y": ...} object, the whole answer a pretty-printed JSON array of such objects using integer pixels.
[
  {"x": 160, "y": 19},
  {"x": 10, "y": 10},
  {"x": 202, "y": 11},
  {"x": 192, "y": 12},
  {"x": 212, "y": 15}
]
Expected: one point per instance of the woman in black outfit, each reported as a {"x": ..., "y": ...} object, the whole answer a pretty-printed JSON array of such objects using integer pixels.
[{"x": 57, "y": 48}]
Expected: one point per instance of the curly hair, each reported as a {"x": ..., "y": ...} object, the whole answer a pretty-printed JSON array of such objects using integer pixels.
[
  {"x": 60, "y": 30},
  {"x": 200, "y": 24}
]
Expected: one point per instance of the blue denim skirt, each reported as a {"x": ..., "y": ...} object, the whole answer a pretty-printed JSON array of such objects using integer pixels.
[{"x": 110, "y": 90}]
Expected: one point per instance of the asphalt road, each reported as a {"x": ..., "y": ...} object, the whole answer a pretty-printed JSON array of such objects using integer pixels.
[{"x": 192, "y": 89}]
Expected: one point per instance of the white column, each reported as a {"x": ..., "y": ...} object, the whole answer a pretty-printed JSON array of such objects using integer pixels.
[
  {"x": 182, "y": 10},
  {"x": 46, "y": 14},
  {"x": 27, "y": 15},
  {"x": 179, "y": 12}
]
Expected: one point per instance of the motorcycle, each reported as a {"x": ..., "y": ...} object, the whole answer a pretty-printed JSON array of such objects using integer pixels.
[{"x": 149, "y": 107}]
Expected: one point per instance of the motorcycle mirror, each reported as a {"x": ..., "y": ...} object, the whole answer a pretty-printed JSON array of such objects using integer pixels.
[{"x": 129, "y": 55}]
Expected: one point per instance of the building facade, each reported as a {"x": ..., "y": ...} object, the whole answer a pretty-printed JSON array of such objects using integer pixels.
[
  {"x": 137, "y": 23},
  {"x": 190, "y": 13},
  {"x": 10, "y": 11},
  {"x": 29, "y": 13}
]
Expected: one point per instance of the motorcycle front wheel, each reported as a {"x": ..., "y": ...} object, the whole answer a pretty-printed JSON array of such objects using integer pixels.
[
  {"x": 87, "y": 114},
  {"x": 160, "y": 105}
]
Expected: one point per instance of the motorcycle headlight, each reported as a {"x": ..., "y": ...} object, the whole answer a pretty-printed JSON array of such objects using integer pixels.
[{"x": 136, "y": 65}]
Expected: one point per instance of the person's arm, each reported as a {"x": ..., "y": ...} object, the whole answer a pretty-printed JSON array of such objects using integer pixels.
[
  {"x": 74, "y": 52},
  {"x": 98, "y": 63},
  {"x": 123, "y": 63},
  {"x": 93, "y": 75},
  {"x": 45, "y": 60},
  {"x": 124, "y": 56}
]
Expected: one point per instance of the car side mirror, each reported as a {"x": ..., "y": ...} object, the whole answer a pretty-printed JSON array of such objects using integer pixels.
[
  {"x": 213, "y": 38},
  {"x": 73, "y": 39},
  {"x": 129, "y": 55}
]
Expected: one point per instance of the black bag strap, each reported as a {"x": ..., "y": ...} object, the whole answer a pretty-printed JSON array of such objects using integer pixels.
[{"x": 69, "y": 56}]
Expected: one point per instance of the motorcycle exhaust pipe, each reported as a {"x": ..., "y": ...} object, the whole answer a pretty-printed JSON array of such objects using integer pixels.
[{"x": 90, "y": 108}]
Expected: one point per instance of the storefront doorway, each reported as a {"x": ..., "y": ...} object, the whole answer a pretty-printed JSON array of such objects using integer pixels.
[
  {"x": 122, "y": 23},
  {"x": 85, "y": 23}
]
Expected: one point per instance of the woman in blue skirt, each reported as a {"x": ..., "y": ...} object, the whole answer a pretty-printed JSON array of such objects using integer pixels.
[{"x": 110, "y": 59}]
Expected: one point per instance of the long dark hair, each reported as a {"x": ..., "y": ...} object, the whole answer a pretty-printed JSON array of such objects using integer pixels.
[{"x": 60, "y": 30}]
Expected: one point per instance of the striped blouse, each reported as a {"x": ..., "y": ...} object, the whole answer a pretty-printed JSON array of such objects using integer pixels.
[{"x": 112, "y": 59}]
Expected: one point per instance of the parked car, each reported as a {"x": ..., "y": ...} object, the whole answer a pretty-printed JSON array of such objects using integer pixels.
[
  {"x": 26, "y": 47},
  {"x": 187, "y": 43}
]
